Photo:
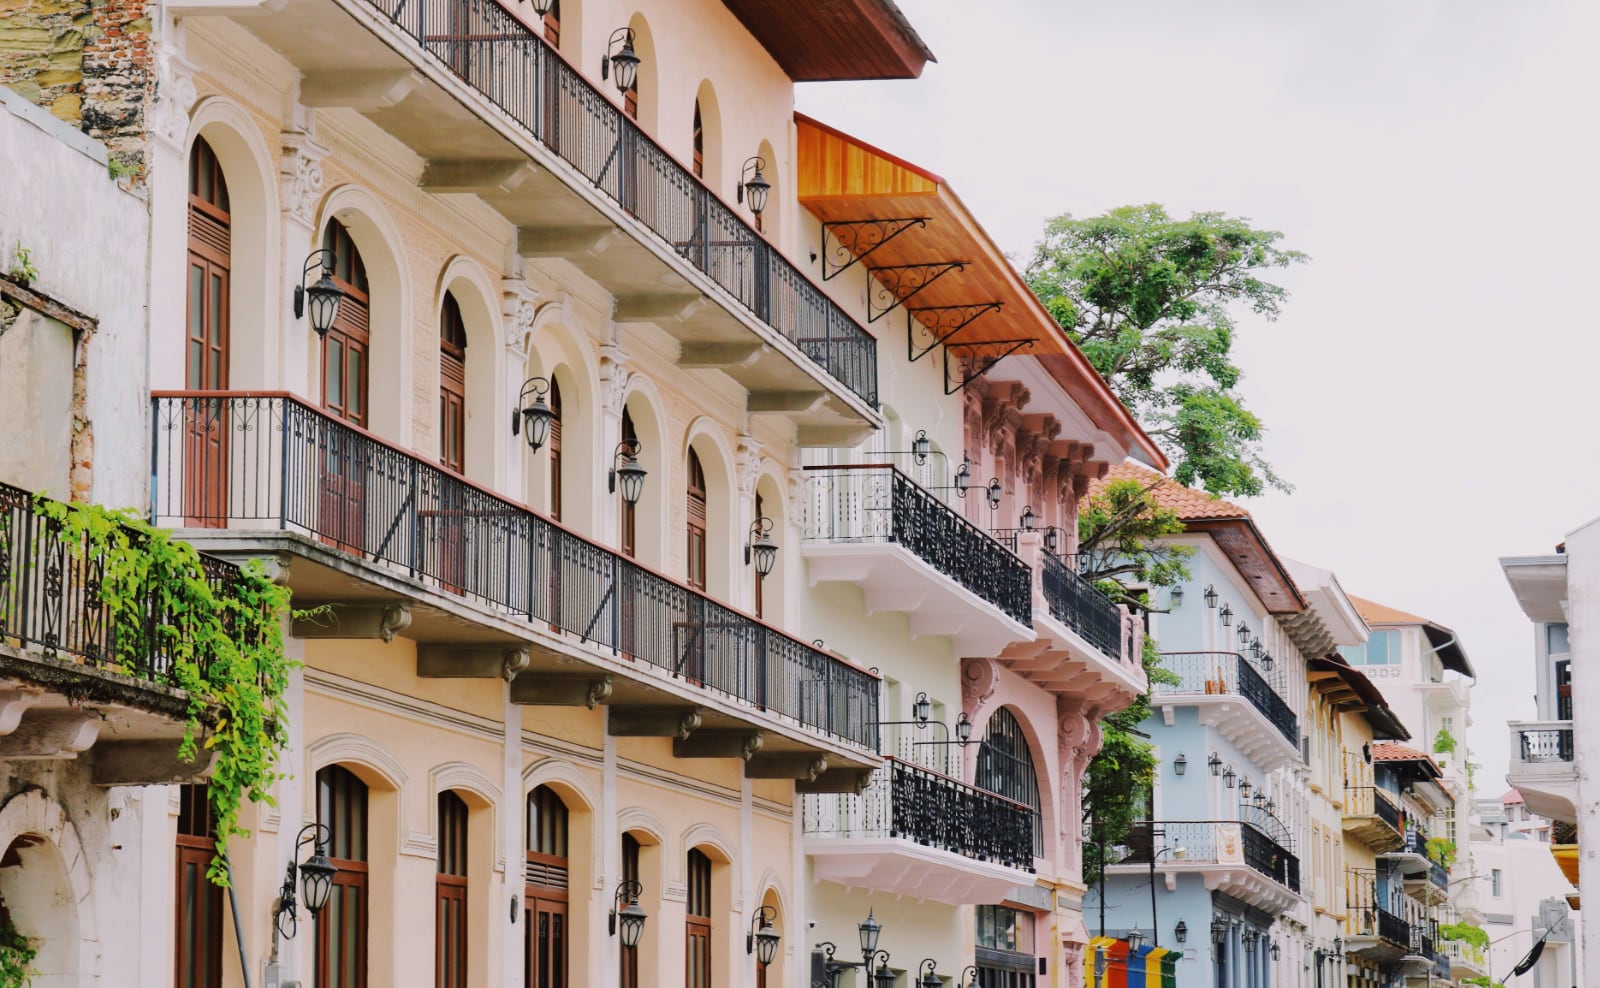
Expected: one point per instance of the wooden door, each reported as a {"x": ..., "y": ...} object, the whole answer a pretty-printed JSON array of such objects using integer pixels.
[
  {"x": 205, "y": 490},
  {"x": 446, "y": 524},
  {"x": 629, "y": 961},
  {"x": 345, "y": 454},
  {"x": 692, "y": 641},
  {"x": 450, "y": 894},
  {"x": 199, "y": 902},
  {"x": 544, "y": 903},
  {"x": 697, "y": 930},
  {"x": 341, "y": 946}
]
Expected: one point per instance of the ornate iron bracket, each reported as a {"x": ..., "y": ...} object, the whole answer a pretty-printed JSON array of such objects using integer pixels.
[
  {"x": 860, "y": 239},
  {"x": 944, "y": 322},
  {"x": 975, "y": 359},
  {"x": 894, "y": 285}
]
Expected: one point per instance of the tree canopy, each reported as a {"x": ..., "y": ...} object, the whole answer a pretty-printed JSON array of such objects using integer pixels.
[{"x": 1150, "y": 300}]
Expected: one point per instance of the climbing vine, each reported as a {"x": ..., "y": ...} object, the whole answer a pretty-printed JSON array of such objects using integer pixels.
[
  {"x": 224, "y": 648},
  {"x": 16, "y": 955},
  {"x": 1475, "y": 935}
]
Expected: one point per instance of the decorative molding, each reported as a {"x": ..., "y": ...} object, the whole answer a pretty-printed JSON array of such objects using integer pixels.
[
  {"x": 300, "y": 172},
  {"x": 420, "y": 846},
  {"x": 553, "y": 770},
  {"x": 462, "y": 775},
  {"x": 747, "y": 463},
  {"x": 707, "y": 835},
  {"x": 641, "y": 819},
  {"x": 614, "y": 377},
  {"x": 360, "y": 750},
  {"x": 377, "y": 698},
  {"x": 979, "y": 677},
  {"x": 519, "y": 306},
  {"x": 175, "y": 97}
]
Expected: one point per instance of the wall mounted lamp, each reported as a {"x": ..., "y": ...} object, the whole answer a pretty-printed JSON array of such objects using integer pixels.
[
  {"x": 1027, "y": 519},
  {"x": 1214, "y": 763},
  {"x": 928, "y": 978},
  {"x": 620, "y": 59},
  {"x": 533, "y": 419},
  {"x": 630, "y": 917},
  {"x": 626, "y": 471},
  {"x": 994, "y": 493},
  {"x": 1175, "y": 595},
  {"x": 1180, "y": 764},
  {"x": 762, "y": 940},
  {"x": 1211, "y": 596},
  {"x": 759, "y": 547},
  {"x": 1180, "y": 932},
  {"x": 752, "y": 185},
  {"x": 321, "y": 298},
  {"x": 316, "y": 880},
  {"x": 921, "y": 447},
  {"x": 1227, "y": 615}
]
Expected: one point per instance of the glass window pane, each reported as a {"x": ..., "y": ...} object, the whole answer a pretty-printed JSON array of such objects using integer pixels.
[
  {"x": 357, "y": 384},
  {"x": 335, "y": 376}
]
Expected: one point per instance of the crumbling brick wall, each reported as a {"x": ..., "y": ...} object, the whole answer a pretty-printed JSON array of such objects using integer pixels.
[{"x": 89, "y": 62}]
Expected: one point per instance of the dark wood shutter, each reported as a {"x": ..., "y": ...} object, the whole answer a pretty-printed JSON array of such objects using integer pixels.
[
  {"x": 450, "y": 895},
  {"x": 544, "y": 906},
  {"x": 555, "y": 450},
  {"x": 760, "y": 604},
  {"x": 699, "y": 144},
  {"x": 199, "y": 925},
  {"x": 630, "y": 520},
  {"x": 206, "y": 348},
  {"x": 552, "y": 25},
  {"x": 344, "y": 349},
  {"x": 452, "y": 386},
  {"x": 697, "y": 948},
  {"x": 630, "y": 873},
  {"x": 341, "y": 960},
  {"x": 697, "y": 523}
]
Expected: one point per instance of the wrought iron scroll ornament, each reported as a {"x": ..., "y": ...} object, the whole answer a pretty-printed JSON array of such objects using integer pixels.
[
  {"x": 855, "y": 240},
  {"x": 939, "y": 323},
  {"x": 973, "y": 360},
  {"x": 899, "y": 283}
]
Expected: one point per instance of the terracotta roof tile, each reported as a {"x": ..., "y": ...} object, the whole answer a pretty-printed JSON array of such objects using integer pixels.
[
  {"x": 1190, "y": 504},
  {"x": 1510, "y": 796},
  {"x": 1393, "y": 751},
  {"x": 1376, "y": 613}
]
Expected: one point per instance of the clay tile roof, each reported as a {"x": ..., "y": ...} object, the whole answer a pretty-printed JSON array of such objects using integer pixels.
[
  {"x": 1375, "y": 613},
  {"x": 1393, "y": 751},
  {"x": 1191, "y": 505},
  {"x": 1510, "y": 796}
]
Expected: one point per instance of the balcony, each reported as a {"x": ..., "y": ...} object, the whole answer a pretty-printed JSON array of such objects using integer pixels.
[
  {"x": 918, "y": 832},
  {"x": 1372, "y": 817},
  {"x": 1088, "y": 647},
  {"x": 1411, "y": 859},
  {"x": 1466, "y": 960},
  {"x": 1233, "y": 697},
  {"x": 1543, "y": 769},
  {"x": 1232, "y": 856},
  {"x": 488, "y": 588},
  {"x": 493, "y": 111},
  {"x": 71, "y": 677},
  {"x": 874, "y": 527},
  {"x": 1371, "y": 930}
]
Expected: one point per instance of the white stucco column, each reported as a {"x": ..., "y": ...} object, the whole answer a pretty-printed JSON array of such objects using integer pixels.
[
  {"x": 511, "y": 957},
  {"x": 300, "y": 175},
  {"x": 1583, "y": 616}
]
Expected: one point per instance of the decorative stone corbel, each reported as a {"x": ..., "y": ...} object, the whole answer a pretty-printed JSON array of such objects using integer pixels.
[
  {"x": 300, "y": 173},
  {"x": 175, "y": 97},
  {"x": 747, "y": 463},
  {"x": 614, "y": 377}
]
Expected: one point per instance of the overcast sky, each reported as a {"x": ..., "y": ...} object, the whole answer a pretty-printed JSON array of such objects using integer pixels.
[{"x": 1422, "y": 389}]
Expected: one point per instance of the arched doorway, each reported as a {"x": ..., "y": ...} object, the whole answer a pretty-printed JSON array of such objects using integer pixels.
[
  {"x": 206, "y": 346},
  {"x": 345, "y": 355},
  {"x": 341, "y": 957},
  {"x": 450, "y": 894},
  {"x": 544, "y": 907},
  {"x": 452, "y": 386},
  {"x": 1005, "y": 767},
  {"x": 36, "y": 898}
]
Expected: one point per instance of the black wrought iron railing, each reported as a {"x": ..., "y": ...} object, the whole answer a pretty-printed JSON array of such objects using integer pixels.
[
  {"x": 239, "y": 460},
  {"x": 1366, "y": 914},
  {"x": 1227, "y": 673},
  {"x": 1212, "y": 842},
  {"x": 512, "y": 66},
  {"x": 1549, "y": 745},
  {"x": 878, "y": 503},
  {"x": 1077, "y": 603},
  {"x": 1372, "y": 801},
  {"x": 1438, "y": 875},
  {"x": 931, "y": 809},
  {"x": 52, "y": 598}
]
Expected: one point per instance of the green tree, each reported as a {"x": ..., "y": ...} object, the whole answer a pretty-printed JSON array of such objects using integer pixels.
[
  {"x": 1150, "y": 300},
  {"x": 1120, "y": 530}
]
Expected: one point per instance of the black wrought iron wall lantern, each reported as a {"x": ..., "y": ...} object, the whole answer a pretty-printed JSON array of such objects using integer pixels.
[
  {"x": 1211, "y": 597},
  {"x": 621, "y": 62},
  {"x": 322, "y": 298},
  {"x": 629, "y": 918},
  {"x": 1135, "y": 940},
  {"x": 1175, "y": 597},
  {"x": 542, "y": 7},
  {"x": 994, "y": 493},
  {"x": 1219, "y": 932},
  {"x": 1214, "y": 763},
  {"x": 928, "y": 978},
  {"x": 1180, "y": 765},
  {"x": 762, "y": 940},
  {"x": 760, "y": 548},
  {"x": 1026, "y": 522},
  {"x": 626, "y": 471},
  {"x": 1244, "y": 632},
  {"x": 533, "y": 419},
  {"x": 1227, "y": 615},
  {"x": 1180, "y": 932},
  {"x": 963, "y": 479},
  {"x": 922, "y": 446},
  {"x": 315, "y": 876},
  {"x": 1277, "y": 951},
  {"x": 753, "y": 185},
  {"x": 1230, "y": 778}
]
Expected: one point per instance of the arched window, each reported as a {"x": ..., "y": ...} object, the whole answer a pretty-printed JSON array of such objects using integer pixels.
[
  {"x": 555, "y": 449},
  {"x": 450, "y": 895},
  {"x": 697, "y": 930},
  {"x": 545, "y": 890},
  {"x": 699, "y": 144},
  {"x": 206, "y": 349},
  {"x": 342, "y": 925},
  {"x": 344, "y": 349},
  {"x": 630, "y": 515},
  {"x": 1005, "y": 767},
  {"x": 630, "y": 873},
  {"x": 452, "y": 386},
  {"x": 552, "y": 25},
  {"x": 697, "y": 522},
  {"x": 199, "y": 902}
]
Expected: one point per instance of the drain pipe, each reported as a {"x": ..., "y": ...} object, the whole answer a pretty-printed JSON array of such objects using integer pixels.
[{"x": 238, "y": 922}]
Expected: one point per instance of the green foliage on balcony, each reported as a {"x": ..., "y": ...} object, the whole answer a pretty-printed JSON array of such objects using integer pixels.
[
  {"x": 224, "y": 645},
  {"x": 1444, "y": 743},
  {"x": 1467, "y": 932},
  {"x": 16, "y": 955},
  {"x": 1441, "y": 851}
]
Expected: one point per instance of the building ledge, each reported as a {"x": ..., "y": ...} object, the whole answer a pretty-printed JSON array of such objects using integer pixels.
[{"x": 903, "y": 867}]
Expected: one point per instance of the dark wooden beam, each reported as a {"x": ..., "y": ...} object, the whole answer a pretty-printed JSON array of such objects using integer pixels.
[
  {"x": 539, "y": 690},
  {"x": 718, "y": 744},
  {"x": 653, "y": 722}
]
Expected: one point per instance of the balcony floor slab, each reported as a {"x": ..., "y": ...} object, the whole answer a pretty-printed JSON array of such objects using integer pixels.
[
  {"x": 903, "y": 867},
  {"x": 1238, "y": 720}
]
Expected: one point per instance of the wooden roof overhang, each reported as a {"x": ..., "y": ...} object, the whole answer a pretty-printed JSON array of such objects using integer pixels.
[
  {"x": 835, "y": 40},
  {"x": 937, "y": 276},
  {"x": 1250, "y": 554},
  {"x": 1348, "y": 690}
]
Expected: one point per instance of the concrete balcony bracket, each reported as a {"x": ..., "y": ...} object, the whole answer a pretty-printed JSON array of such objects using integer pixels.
[
  {"x": 653, "y": 722},
  {"x": 806, "y": 768},
  {"x": 742, "y": 745},
  {"x": 561, "y": 691},
  {"x": 470, "y": 662},
  {"x": 350, "y": 621}
]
